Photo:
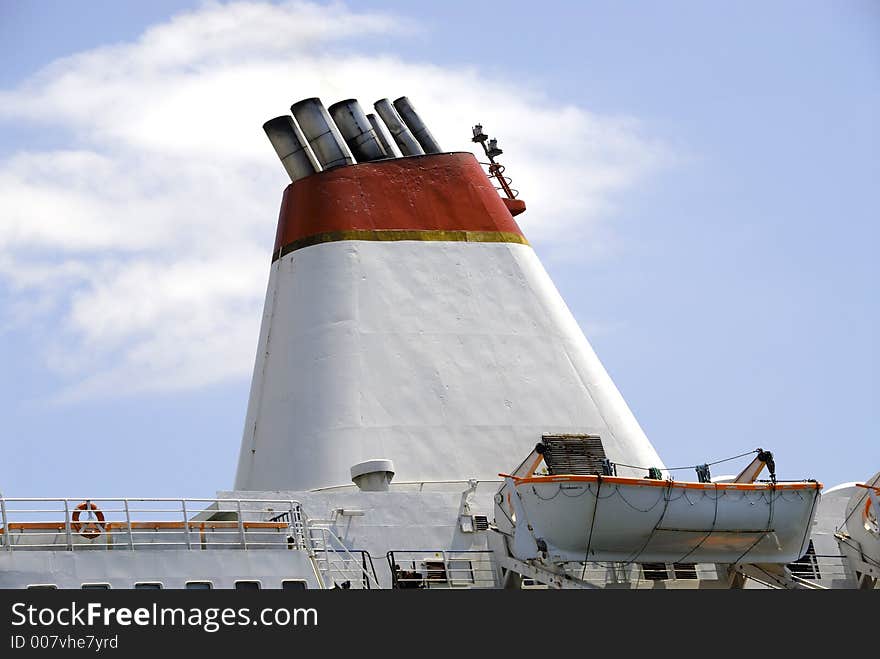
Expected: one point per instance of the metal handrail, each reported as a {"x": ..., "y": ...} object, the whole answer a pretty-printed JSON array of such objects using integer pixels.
[
  {"x": 5, "y": 523},
  {"x": 423, "y": 576},
  {"x": 122, "y": 524},
  {"x": 339, "y": 550},
  {"x": 366, "y": 565},
  {"x": 399, "y": 484}
]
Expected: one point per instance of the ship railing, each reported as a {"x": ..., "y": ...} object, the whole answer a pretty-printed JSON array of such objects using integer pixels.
[
  {"x": 340, "y": 566},
  {"x": 442, "y": 569},
  {"x": 357, "y": 572},
  {"x": 69, "y": 524},
  {"x": 501, "y": 183},
  {"x": 418, "y": 486},
  {"x": 637, "y": 575},
  {"x": 822, "y": 568},
  {"x": 817, "y": 568}
]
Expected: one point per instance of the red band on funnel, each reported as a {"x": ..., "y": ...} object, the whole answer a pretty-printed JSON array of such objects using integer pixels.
[{"x": 436, "y": 197}]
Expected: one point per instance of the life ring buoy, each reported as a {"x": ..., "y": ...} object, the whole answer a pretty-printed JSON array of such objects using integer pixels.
[
  {"x": 872, "y": 524},
  {"x": 91, "y": 528}
]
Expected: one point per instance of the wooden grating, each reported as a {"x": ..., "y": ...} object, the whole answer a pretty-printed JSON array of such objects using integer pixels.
[{"x": 580, "y": 455}]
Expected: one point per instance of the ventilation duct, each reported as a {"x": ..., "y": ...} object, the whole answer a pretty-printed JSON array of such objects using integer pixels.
[
  {"x": 418, "y": 128},
  {"x": 373, "y": 475},
  {"x": 387, "y": 142},
  {"x": 321, "y": 133},
  {"x": 357, "y": 131},
  {"x": 408, "y": 144},
  {"x": 316, "y": 138},
  {"x": 290, "y": 147}
]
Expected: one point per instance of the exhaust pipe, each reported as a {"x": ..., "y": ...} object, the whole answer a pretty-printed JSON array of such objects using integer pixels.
[
  {"x": 357, "y": 131},
  {"x": 408, "y": 144},
  {"x": 322, "y": 134},
  {"x": 416, "y": 125},
  {"x": 379, "y": 129},
  {"x": 290, "y": 147}
]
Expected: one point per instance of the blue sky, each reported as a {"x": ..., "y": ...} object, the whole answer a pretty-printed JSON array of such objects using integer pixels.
[{"x": 702, "y": 184}]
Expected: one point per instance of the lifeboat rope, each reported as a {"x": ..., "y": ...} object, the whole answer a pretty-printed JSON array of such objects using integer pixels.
[
  {"x": 592, "y": 523},
  {"x": 803, "y": 541},
  {"x": 666, "y": 496},
  {"x": 858, "y": 506},
  {"x": 666, "y": 492},
  {"x": 864, "y": 557},
  {"x": 558, "y": 490},
  {"x": 616, "y": 487},
  {"x": 583, "y": 491},
  {"x": 659, "y": 499},
  {"x": 707, "y": 464},
  {"x": 616, "y": 491},
  {"x": 812, "y": 511},
  {"x": 711, "y": 529},
  {"x": 761, "y": 536}
]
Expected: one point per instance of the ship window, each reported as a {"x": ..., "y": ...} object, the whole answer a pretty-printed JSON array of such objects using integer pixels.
[
  {"x": 95, "y": 586},
  {"x": 294, "y": 584},
  {"x": 148, "y": 585},
  {"x": 655, "y": 571},
  {"x": 42, "y": 586},
  {"x": 247, "y": 585},
  {"x": 199, "y": 585},
  {"x": 684, "y": 570},
  {"x": 807, "y": 566}
]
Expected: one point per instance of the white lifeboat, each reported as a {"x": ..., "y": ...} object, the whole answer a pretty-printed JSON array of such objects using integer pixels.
[
  {"x": 859, "y": 535},
  {"x": 594, "y": 517},
  {"x": 610, "y": 518}
]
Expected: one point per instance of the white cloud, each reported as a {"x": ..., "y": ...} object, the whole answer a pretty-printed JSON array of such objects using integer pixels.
[{"x": 145, "y": 235}]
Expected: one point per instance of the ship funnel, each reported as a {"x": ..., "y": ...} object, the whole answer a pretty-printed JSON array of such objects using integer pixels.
[
  {"x": 387, "y": 142},
  {"x": 290, "y": 147},
  {"x": 322, "y": 134},
  {"x": 414, "y": 122},
  {"x": 357, "y": 131},
  {"x": 407, "y": 317},
  {"x": 408, "y": 144}
]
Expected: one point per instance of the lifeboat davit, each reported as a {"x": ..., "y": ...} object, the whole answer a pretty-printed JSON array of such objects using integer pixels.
[{"x": 564, "y": 517}]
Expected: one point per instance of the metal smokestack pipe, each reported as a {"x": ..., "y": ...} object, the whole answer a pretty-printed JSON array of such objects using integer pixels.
[
  {"x": 408, "y": 144},
  {"x": 290, "y": 148},
  {"x": 357, "y": 130},
  {"x": 387, "y": 142},
  {"x": 322, "y": 134},
  {"x": 414, "y": 122}
]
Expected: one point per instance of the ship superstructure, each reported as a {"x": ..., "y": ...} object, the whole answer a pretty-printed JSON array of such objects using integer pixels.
[{"x": 412, "y": 350}]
